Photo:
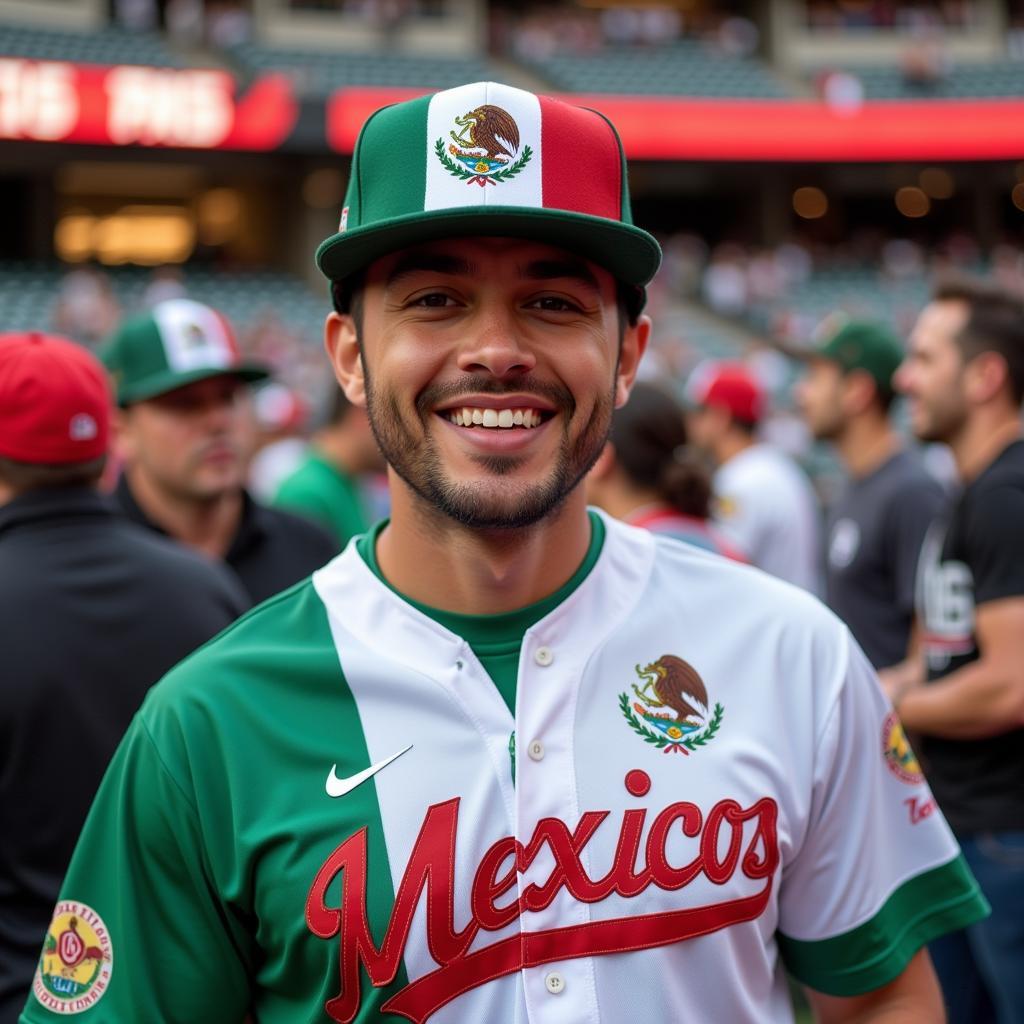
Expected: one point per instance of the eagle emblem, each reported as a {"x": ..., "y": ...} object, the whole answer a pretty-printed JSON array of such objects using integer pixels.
[
  {"x": 484, "y": 149},
  {"x": 671, "y": 709}
]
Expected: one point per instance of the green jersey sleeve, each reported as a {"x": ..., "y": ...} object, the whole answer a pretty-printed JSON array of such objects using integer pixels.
[{"x": 139, "y": 932}]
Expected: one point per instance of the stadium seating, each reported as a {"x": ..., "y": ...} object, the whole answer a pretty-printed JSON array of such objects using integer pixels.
[
  {"x": 111, "y": 46},
  {"x": 318, "y": 73},
  {"x": 991, "y": 79},
  {"x": 29, "y": 291},
  {"x": 685, "y": 68}
]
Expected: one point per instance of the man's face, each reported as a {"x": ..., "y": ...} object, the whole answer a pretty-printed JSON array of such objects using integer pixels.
[
  {"x": 819, "y": 397},
  {"x": 490, "y": 369},
  {"x": 190, "y": 442},
  {"x": 705, "y": 425},
  {"x": 932, "y": 374}
]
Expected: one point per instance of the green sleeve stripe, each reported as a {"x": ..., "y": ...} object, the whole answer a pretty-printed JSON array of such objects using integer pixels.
[{"x": 941, "y": 900}]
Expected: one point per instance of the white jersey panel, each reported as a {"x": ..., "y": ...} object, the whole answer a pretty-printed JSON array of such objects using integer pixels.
[{"x": 767, "y": 508}]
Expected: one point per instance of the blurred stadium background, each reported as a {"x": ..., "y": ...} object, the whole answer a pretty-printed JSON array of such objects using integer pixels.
[{"x": 795, "y": 157}]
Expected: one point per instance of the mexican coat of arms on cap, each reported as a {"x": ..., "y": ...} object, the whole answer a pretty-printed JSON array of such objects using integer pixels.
[{"x": 485, "y": 148}]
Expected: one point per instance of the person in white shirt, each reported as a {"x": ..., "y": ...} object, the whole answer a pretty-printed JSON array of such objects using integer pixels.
[{"x": 763, "y": 501}]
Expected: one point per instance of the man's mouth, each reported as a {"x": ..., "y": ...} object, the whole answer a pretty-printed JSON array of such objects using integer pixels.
[{"x": 500, "y": 419}]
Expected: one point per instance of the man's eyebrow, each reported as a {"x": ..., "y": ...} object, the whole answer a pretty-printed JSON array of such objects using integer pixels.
[
  {"x": 546, "y": 270},
  {"x": 427, "y": 262}
]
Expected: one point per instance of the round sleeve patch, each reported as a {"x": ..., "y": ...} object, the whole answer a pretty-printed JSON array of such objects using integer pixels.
[
  {"x": 76, "y": 962},
  {"x": 898, "y": 753}
]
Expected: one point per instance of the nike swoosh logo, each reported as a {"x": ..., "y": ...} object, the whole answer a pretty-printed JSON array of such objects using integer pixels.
[{"x": 339, "y": 787}]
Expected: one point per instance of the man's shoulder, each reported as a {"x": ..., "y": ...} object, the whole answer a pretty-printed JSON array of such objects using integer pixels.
[
  {"x": 172, "y": 559},
  {"x": 312, "y": 474},
  {"x": 1005, "y": 475},
  {"x": 761, "y": 465},
  {"x": 684, "y": 565},
  {"x": 296, "y": 528}
]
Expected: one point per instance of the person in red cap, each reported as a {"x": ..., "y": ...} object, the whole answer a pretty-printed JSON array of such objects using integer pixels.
[
  {"x": 93, "y": 610},
  {"x": 764, "y": 503}
]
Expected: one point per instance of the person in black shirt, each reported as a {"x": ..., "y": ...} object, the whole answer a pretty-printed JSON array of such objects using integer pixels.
[
  {"x": 964, "y": 376},
  {"x": 93, "y": 611},
  {"x": 876, "y": 526},
  {"x": 181, "y": 423}
]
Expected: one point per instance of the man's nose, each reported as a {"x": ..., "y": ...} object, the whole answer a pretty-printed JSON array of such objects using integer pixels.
[
  {"x": 495, "y": 344},
  {"x": 218, "y": 413}
]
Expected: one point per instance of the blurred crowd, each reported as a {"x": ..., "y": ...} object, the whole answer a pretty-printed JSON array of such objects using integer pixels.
[
  {"x": 773, "y": 289},
  {"x": 535, "y": 31},
  {"x": 228, "y": 465}
]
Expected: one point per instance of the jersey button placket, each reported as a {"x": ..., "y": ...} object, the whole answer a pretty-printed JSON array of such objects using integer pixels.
[{"x": 554, "y": 982}]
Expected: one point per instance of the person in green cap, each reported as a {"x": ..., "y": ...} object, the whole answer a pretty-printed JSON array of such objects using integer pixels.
[
  {"x": 326, "y": 486},
  {"x": 180, "y": 429},
  {"x": 505, "y": 759},
  {"x": 876, "y": 527}
]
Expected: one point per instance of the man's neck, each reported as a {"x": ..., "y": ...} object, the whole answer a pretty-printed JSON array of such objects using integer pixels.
[
  {"x": 731, "y": 444},
  {"x": 335, "y": 449},
  {"x": 867, "y": 444},
  {"x": 983, "y": 439},
  {"x": 621, "y": 500},
  {"x": 208, "y": 526},
  {"x": 436, "y": 561}
]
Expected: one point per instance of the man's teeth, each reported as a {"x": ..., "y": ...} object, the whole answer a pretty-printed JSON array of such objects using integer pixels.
[{"x": 503, "y": 418}]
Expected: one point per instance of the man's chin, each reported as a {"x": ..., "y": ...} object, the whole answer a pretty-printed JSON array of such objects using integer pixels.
[{"x": 492, "y": 505}]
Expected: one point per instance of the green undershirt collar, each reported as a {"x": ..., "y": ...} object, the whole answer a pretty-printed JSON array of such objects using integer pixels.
[{"x": 494, "y": 639}]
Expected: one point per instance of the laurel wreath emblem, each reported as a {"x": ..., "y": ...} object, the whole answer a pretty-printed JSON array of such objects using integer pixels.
[
  {"x": 464, "y": 175},
  {"x": 690, "y": 742}
]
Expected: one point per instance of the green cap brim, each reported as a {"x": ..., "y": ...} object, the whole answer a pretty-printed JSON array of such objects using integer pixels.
[
  {"x": 629, "y": 253},
  {"x": 161, "y": 383}
]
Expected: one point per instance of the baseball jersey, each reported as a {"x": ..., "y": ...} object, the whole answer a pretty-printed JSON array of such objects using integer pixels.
[
  {"x": 320, "y": 815},
  {"x": 974, "y": 554},
  {"x": 766, "y": 507},
  {"x": 875, "y": 531}
]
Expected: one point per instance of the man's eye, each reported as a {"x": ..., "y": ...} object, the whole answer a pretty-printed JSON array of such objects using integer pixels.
[
  {"x": 554, "y": 304},
  {"x": 434, "y": 300}
]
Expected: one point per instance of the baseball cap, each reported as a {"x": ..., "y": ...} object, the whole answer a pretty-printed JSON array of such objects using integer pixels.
[
  {"x": 54, "y": 400},
  {"x": 176, "y": 343},
  {"x": 489, "y": 159},
  {"x": 729, "y": 386},
  {"x": 860, "y": 345}
]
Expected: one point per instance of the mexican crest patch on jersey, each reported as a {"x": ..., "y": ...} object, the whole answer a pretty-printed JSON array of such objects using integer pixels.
[
  {"x": 77, "y": 960},
  {"x": 672, "y": 707},
  {"x": 898, "y": 753}
]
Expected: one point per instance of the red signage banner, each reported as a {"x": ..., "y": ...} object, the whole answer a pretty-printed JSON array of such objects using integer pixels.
[
  {"x": 659, "y": 128},
  {"x": 127, "y": 105}
]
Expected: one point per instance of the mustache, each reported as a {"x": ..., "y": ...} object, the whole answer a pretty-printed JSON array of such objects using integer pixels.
[{"x": 446, "y": 392}]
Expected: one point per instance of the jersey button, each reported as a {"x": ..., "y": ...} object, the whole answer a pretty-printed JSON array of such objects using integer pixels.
[
  {"x": 543, "y": 656},
  {"x": 555, "y": 983},
  {"x": 536, "y": 751}
]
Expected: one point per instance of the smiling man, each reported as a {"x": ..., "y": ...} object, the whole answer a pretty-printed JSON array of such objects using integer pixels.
[{"x": 506, "y": 759}]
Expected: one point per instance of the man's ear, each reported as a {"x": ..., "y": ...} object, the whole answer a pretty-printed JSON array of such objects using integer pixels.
[
  {"x": 857, "y": 391},
  {"x": 121, "y": 435},
  {"x": 986, "y": 375},
  {"x": 341, "y": 340},
  {"x": 634, "y": 344}
]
